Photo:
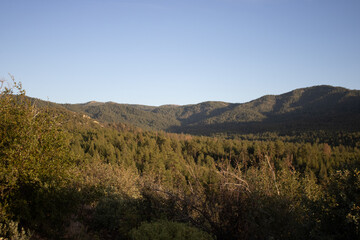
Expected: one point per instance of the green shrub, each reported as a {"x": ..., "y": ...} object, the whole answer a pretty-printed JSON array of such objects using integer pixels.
[
  {"x": 10, "y": 229},
  {"x": 117, "y": 215},
  {"x": 164, "y": 230},
  {"x": 34, "y": 158}
]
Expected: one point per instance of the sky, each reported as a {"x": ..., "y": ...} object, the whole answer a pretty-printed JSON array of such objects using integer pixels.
[{"x": 156, "y": 52}]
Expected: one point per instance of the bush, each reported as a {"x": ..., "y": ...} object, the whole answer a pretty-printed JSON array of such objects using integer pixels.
[
  {"x": 10, "y": 230},
  {"x": 164, "y": 230},
  {"x": 117, "y": 215},
  {"x": 34, "y": 156}
]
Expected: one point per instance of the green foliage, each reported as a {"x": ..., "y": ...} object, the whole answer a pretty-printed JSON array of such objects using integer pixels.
[
  {"x": 117, "y": 216},
  {"x": 33, "y": 147},
  {"x": 33, "y": 162},
  {"x": 10, "y": 230},
  {"x": 340, "y": 216},
  {"x": 163, "y": 230}
]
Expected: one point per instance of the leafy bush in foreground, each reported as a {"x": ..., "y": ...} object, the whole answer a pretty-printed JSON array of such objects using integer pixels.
[
  {"x": 34, "y": 158},
  {"x": 163, "y": 230}
]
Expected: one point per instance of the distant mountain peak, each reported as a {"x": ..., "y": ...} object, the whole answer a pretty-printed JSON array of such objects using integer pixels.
[
  {"x": 170, "y": 105},
  {"x": 93, "y": 103}
]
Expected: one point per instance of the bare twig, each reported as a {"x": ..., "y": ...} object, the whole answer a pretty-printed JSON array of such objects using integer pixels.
[
  {"x": 243, "y": 183},
  {"x": 274, "y": 175}
]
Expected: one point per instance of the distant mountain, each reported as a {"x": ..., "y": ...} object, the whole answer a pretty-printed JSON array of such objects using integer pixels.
[{"x": 314, "y": 108}]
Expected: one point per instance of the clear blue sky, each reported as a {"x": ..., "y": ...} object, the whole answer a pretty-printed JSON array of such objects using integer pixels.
[{"x": 158, "y": 52}]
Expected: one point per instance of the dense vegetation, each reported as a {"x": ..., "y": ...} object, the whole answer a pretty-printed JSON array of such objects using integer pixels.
[{"x": 63, "y": 175}]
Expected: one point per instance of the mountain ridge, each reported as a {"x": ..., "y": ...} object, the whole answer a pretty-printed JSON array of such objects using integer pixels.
[{"x": 321, "y": 107}]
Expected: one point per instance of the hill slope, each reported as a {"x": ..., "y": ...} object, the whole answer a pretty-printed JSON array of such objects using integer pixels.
[{"x": 313, "y": 108}]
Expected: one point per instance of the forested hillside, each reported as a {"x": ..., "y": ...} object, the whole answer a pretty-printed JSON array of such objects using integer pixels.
[
  {"x": 67, "y": 176},
  {"x": 315, "y": 108}
]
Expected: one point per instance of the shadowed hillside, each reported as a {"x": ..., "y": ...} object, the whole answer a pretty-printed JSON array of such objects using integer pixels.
[{"x": 313, "y": 108}]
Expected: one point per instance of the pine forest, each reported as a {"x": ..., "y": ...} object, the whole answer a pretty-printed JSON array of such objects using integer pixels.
[{"x": 279, "y": 167}]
